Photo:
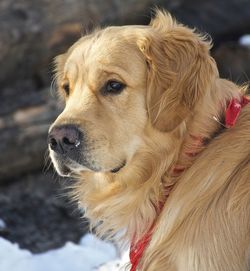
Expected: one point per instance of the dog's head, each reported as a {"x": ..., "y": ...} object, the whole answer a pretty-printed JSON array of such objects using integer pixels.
[{"x": 122, "y": 84}]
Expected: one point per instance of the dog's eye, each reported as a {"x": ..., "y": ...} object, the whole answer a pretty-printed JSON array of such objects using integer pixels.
[
  {"x": 113, "y": 87},
  {"x": 66, "y": 88}
]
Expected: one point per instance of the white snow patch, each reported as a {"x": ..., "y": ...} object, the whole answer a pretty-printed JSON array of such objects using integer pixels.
[
  {"x": 117, "y": 265},
  {"x": 245, "y": 40},
  {"x": 89, "y": 255}
]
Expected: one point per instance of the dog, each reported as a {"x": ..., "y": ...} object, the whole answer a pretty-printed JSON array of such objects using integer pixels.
[{"x": 159, "y": 145}]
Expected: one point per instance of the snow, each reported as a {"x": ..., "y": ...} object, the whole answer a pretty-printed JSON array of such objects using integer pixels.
[
  {"x": 245, "y": 40},
  {"x": 118, "y": 264},
  {"x": 89, "y": 255}
]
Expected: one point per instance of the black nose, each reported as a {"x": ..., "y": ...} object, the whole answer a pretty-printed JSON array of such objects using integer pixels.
[{"x": 65, "y": 139}]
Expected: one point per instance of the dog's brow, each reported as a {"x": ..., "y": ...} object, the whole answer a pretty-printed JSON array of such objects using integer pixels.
[
  {"x": 116, "y": 70},
  {"x": 71, "y": 69}
]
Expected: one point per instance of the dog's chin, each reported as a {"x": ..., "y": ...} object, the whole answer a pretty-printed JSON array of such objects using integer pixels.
[
  {"x": 65, "y": 168},
  {"x": 64, "y": 171},
  {"x": 70, "y": 169}
]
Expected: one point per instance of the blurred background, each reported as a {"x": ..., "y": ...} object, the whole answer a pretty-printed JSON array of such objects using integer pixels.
[{"x": 33, "y": 209}]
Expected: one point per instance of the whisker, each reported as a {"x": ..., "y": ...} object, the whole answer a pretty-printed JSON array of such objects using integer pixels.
[{"x": 217, "y": 120}]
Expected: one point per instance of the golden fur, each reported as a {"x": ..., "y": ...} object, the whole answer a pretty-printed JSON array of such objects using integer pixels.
[{"x": 173, "y": 91}]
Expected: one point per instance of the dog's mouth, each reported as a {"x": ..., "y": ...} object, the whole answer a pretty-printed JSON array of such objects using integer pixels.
[
  {"x": 68, "y": 168},
  {"x": 65, "y": 166},
  {"x": 117, "y": 169},
  {"x": 74, "y": 165},
  {"x": 71, "y": 170}
]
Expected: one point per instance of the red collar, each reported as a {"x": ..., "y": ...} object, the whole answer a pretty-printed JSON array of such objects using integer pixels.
[
  {"x": 233, "y": 110},
  {"x": 231, "y": 115}
]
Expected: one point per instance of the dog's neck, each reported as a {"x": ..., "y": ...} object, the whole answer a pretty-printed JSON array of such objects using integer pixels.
[{"x": 127, "y": 201}]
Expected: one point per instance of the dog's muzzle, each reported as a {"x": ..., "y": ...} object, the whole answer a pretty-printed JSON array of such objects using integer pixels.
[{"x": 70, "y": 150}]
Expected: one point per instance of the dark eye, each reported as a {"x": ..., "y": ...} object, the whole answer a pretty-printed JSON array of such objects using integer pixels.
[
  {"x": 66, "y": 88},
  {"x": 113, "y": 87}
]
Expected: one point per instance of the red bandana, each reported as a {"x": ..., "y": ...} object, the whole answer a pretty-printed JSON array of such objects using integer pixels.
[{"x": 231, "y": 115}]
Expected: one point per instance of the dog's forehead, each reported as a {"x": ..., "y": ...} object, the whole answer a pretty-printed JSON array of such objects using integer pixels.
[{"x": 110, "y": 46}]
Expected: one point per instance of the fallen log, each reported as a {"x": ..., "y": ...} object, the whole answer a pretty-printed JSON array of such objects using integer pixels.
[
  {"x": 23, "y": 138},
  {"x": 32, "y": 34},
  {"x": 233, "y": 62}
]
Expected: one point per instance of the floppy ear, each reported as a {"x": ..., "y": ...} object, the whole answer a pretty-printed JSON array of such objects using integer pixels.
[{"x": 180, "y": 71}]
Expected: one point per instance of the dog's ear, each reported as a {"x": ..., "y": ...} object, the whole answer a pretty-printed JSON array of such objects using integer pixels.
[{"x": 180, "y": 70}]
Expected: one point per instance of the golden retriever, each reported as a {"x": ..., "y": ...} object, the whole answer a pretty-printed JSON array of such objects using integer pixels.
[{"x": 144, "y": 126}]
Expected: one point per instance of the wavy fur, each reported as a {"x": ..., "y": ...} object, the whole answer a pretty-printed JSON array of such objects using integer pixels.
[{"x": 206, "y": 220}]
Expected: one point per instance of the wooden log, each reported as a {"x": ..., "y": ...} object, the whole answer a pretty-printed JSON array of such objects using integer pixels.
[
  {"x": 33, "y": 32},
  {"x": 214, "y": 17},
  {"x": 23, "y": 138},
  {"x": 233, "y": 62}
]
